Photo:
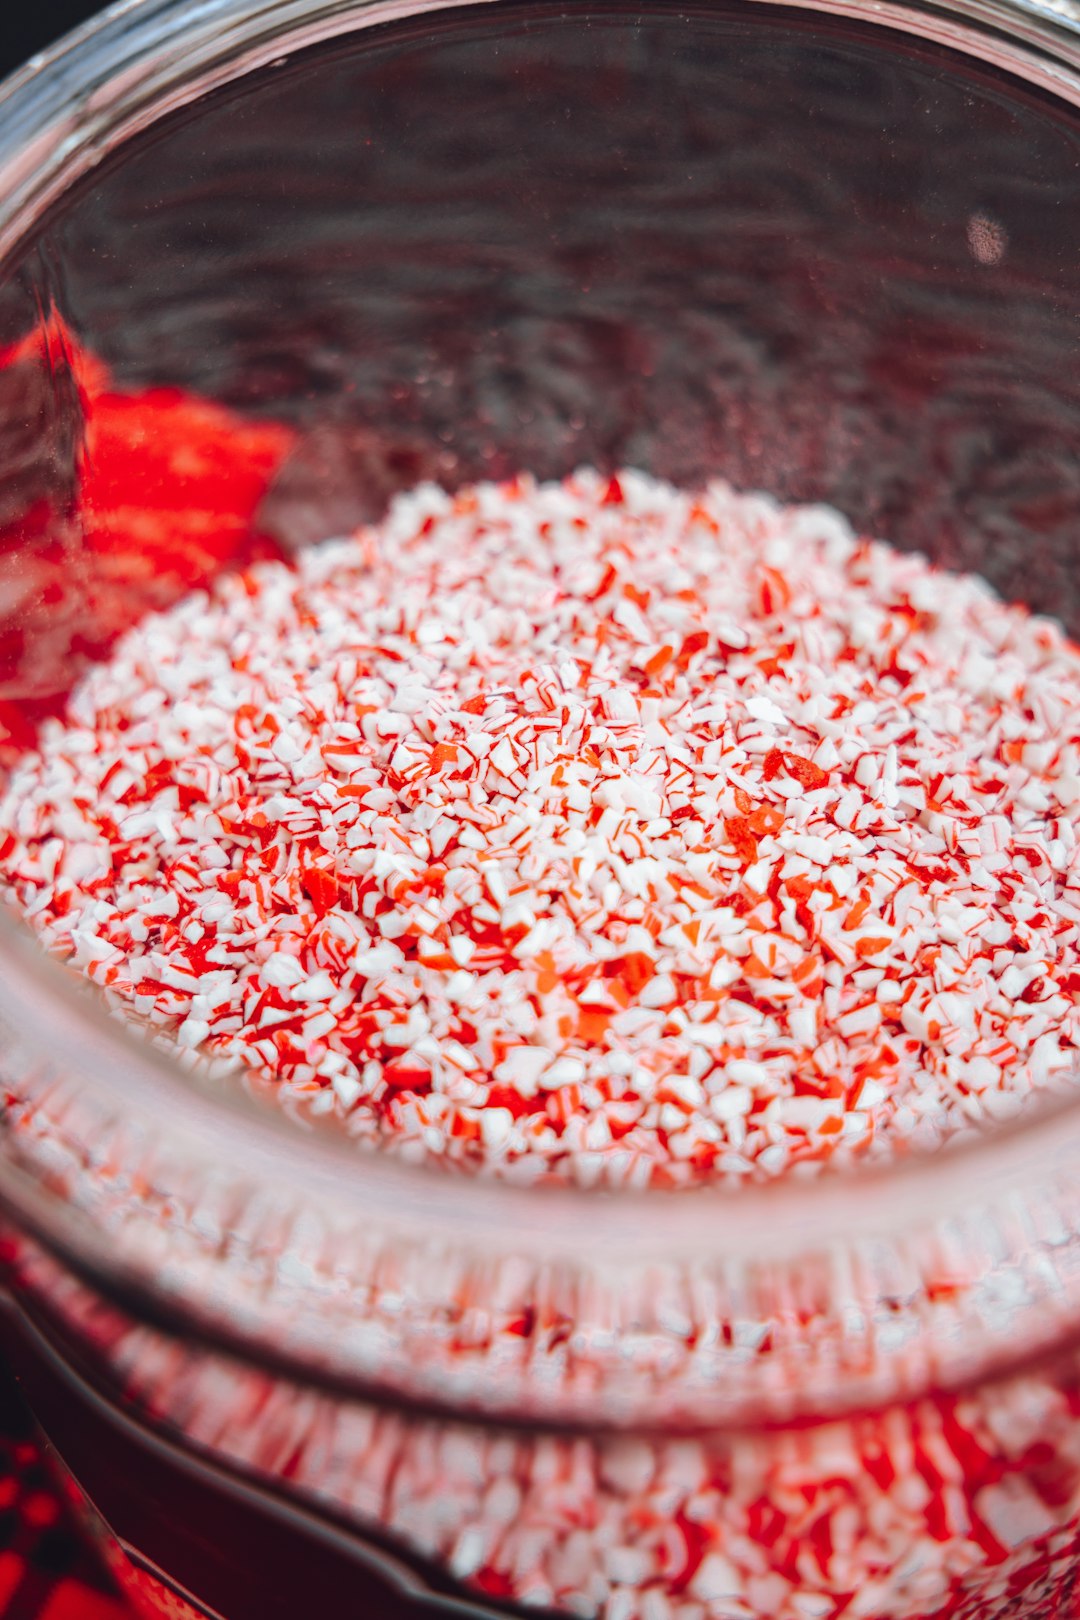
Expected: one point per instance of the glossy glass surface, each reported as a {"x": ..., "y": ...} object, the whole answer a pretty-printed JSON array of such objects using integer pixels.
[{"x": 832, "y": 257}]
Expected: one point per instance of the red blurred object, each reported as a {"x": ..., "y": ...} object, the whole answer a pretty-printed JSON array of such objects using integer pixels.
[
  {"x": 46, "y": 1572},
  {"x": 112, "y": 504}
]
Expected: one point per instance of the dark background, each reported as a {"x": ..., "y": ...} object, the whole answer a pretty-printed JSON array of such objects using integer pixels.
[{"x": 29, "y": 25}]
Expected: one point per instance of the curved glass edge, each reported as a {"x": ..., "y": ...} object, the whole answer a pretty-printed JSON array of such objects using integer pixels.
[
  {"x": 58, "y": 117},
  {"x": 87, "y": 89},
  {"x": 140, "y": 59}
]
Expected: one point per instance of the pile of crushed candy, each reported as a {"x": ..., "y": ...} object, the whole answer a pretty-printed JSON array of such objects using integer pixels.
[{"x": 591, "y": 831}]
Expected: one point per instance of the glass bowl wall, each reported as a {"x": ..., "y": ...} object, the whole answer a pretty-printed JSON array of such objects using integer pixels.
[{"x": 829, "y": 254}]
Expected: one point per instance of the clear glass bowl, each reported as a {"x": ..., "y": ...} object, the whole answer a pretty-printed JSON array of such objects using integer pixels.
[{"x": 827, "y": 250}]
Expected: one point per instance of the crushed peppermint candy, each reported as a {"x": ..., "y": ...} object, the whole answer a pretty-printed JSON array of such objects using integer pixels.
[
  {"x": 949, "y": 1506},
  {"x": 594, "y": 831}
]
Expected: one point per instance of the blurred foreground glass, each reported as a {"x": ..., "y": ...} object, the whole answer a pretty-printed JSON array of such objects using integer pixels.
[{"x": 827, "y": 253}]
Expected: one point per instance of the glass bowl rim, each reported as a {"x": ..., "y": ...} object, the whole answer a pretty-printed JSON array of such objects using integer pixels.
[{"x": 59, "y": 114}]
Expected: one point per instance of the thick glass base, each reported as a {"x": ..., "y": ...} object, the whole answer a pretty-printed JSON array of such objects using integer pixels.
[{"x": 184, "y": 1538}]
